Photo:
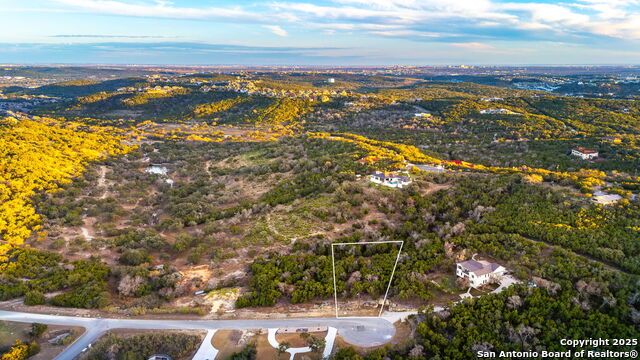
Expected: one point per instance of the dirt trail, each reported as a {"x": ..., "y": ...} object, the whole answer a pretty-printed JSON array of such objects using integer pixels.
[
  {"x": 86, "y": 234},
  {"x": 590, "y": 258},
  {"x": 436, "y": 187},
  {"x": 271, "y": 227},
  {"x": 421, "y": 109},
  {"x": 102, "y": 181}
]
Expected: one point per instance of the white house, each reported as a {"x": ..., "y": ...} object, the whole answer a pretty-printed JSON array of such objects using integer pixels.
[
  {"x": 479, "y": 272},
  {"x": 498, "y": 111},
  {"x": 389, "y": 179},
  {"x": 602, "y": 198},
  {"x": 159, "y": 357},
  {"x": 584, "y": 153},
  {"x": 430, "y": 168}
]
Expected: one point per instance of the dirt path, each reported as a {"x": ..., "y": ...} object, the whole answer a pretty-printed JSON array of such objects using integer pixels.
[
  {"x": 421, "y": 109},
  {"x": 436, "y": 187},
  {"x": 86, "y": 234},
  {"x": 102, "y": 181},
  {"x": 271, "y": 227},
  {"x": 590, "y": 258}
]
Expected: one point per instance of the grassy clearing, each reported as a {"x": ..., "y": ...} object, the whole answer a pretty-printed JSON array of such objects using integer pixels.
[
  {"x": 262, "y": 234},
  {"x": 10, "y": 332},
  {"x": 302, "y": 220}
]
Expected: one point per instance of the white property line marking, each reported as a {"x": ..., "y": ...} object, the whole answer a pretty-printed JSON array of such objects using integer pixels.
[
  {"x": 333, "y": 264},
  {"x": 384, "y": 301}
]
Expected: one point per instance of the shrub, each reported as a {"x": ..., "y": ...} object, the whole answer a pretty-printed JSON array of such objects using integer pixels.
[
  {"x": 90, "y": 296},
  {"x": 34, "y": 297},
  {"x": 248, "y": 353},
  {"x": 37, "y": 329},
  {"x": 140, "y": 347},
  {"x": 134, "y": 257}
]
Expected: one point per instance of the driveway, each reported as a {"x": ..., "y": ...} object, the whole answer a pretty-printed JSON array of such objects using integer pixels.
[
  {"x": 505, "y": 282},
  {"x": 329, "y": 340},
  {"x": 206, "y": 350}
]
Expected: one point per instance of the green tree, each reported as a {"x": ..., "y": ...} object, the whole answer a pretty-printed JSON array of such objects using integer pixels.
[
  {"x": 37, "y": 329},
  {"x": 34, "y": 297}
]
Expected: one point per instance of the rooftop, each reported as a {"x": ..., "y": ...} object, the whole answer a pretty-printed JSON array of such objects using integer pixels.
[
  {"x": 480, "y": 267},
  {"x": 606, "y": 198},
  {"x": 390, "y": 176},
  {"x": 585, "y": 150}
]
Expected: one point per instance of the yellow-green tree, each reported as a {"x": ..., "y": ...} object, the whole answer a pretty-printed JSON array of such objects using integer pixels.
[{"x": 40, "y": 154}]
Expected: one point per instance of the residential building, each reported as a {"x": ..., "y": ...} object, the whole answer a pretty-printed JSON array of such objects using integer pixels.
[
  {"x": 368, "y": 160},
  {"x": 498, "y": 111},
  {"x": 479, "y": 272},
  {"x": 390, "y": 179},
  {"x": 612, "y": 139},
  {"x": 584, "y": 153},
  {"x": 159, "y": 357},
  {"x": 430, "y": 168},
  {"x": 601, "y": 198}
]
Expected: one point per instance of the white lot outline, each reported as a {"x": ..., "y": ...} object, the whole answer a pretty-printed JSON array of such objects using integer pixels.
[{"x": 333, "y": 265}]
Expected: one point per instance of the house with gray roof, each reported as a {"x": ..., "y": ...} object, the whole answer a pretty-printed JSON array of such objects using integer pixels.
[
  {"x": 389, "y": 179},
  {"x": 479, "y": 272}
]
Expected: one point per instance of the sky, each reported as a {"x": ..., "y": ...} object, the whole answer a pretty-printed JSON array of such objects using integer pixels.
[{"x": 320, "y": 32}]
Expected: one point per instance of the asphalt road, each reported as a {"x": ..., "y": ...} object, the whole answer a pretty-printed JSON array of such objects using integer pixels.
[{"x": 356, "y": 331}]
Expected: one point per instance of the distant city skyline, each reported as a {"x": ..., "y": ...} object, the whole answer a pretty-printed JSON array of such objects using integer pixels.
[{"x": 324, "y": 32}]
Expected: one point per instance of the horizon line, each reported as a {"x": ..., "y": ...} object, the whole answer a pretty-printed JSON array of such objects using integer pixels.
[{"x": 488, "y": 65}]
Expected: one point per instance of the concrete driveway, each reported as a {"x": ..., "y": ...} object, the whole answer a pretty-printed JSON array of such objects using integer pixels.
[
  {"x": 206, "y": 350},
  {"x": 505, "y": 282},
  {"x": 329, "y": 341}
]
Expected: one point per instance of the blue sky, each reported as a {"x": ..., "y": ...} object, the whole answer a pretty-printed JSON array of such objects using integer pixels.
[{"x": 325, "y": 32}]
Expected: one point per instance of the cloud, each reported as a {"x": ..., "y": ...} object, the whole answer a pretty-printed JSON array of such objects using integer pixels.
[
  {"x": 421, "y": 20},
  {"x": 164, "y": 9},
  {"x": 167, "y": 53},
  {"x": 111, "y": 36},
  {"x": 276, "y": 30},
  {"x": 473, "y": 46},
  {"x": 404, "y": 33},
  {"x": 183, "y": 53},
  {"x": 542, "y": 20},
  {"x": 607, "y": 9},
  {"x": 547, "y": 13}
]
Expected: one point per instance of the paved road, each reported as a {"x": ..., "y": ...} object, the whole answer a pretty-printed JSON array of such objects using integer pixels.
[{"x": 356, "y": 331}]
